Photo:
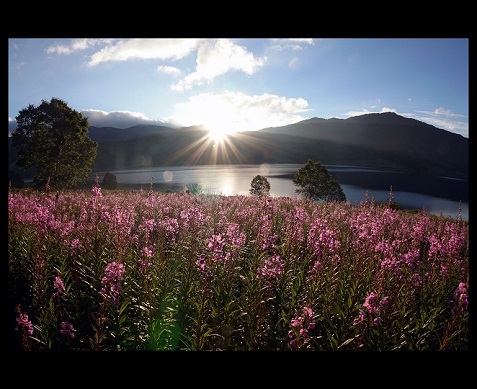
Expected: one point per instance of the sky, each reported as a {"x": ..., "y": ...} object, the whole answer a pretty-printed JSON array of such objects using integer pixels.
[{"x": 246, "y": 84}]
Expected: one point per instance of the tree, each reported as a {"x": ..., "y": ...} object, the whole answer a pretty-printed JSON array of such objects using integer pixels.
[
  {"x": 53, "y": 140},
  {"x": 109, "y": 181},
  {"x": 260, "y": 186},
  {"x": 193, "y": 188},
  {"x": 315, "y": 182}
]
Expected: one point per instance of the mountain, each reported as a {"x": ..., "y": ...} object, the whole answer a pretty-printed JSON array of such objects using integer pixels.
[
  {"x": 102, "y": 134},
  {"x": 412, "y": 144},
  {"x": 384, "y": 140}
]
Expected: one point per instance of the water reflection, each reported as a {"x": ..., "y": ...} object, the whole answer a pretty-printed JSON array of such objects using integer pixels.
[
  {"x": 407, "y": 200},
  {"x": 434, "y": 195}
]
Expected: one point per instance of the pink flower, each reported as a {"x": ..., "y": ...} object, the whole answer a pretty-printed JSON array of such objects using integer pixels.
[{"x": 67, "y": 329}]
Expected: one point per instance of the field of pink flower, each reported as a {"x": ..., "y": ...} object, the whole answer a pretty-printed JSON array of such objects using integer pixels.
[{"x": 144, "y": 270}]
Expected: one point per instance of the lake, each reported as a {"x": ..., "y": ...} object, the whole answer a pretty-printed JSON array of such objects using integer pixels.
[{"x": 434, "y": 195}]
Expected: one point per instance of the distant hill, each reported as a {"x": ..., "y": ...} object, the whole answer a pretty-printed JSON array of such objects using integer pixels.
[
  {"x": 384, "y": 140},
  {"x": 410, "y": 143},
  {"x": 102, "y": 134}
]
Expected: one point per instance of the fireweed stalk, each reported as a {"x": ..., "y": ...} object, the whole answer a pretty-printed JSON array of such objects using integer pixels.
[
  {"x": 59, "y": 299},
  {"x": 59, "y": 295},
  {"x": 459, "y": 310},
  {"x": 110, "y": 293},
  {"x": 25, "y": 327},
  {"x": 139, "y": 266},
  {"x": 371, "y": 314},
  {"x": 300, "y": 325}
]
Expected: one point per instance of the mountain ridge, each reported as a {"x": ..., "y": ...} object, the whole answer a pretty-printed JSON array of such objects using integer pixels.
[
  {"x": 379, "y": 140},
  {"x": 384, "y": 140}
]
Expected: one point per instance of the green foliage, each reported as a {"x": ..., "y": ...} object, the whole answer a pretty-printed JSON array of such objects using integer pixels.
[
  {"x": 109, "y": 181},
  {"x": 193, "y": 188},
  {"x": 313, "y": 181},
  {"x": 260, "y": 186},
  {"x": 53, "y": 139}
]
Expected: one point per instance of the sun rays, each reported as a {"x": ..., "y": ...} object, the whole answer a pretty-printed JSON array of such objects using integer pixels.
[{"x": 210, "y": 148}]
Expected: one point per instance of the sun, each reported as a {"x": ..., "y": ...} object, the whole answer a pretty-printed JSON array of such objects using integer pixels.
[{"x": 218, "y": 133}]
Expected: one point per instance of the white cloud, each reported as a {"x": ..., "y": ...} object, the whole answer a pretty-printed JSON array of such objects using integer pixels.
[
  {"x": 76, "y": 45},
  {"x": 456, "y": 126},
  {"x": 144, "y": 48},
  {"x": 442, "y": 111},
  {"x": 366, "y": 111},
  {"x": 294, "y": 63},
  {"x": 443, "y": 118},
  {"x": 168, "y": 70},
  {"x": 235, "y": 111},
  {"x": 217, "y": 57},
  {"x": 292, "y": 44},
  {"x": 118, "y": 119}
]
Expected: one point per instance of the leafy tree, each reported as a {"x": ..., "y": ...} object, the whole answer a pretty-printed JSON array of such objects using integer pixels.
[
  {"x": 53, "y": 140},
  {"x": 193, "y": 188},
  {"x": 315, "y": 182},
  {"x": 260, "y": 186},
  {"x": 109, "y": 181}
]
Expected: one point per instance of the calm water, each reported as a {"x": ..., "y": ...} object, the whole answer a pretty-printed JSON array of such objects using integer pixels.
[{"x": 435, "y": 195}]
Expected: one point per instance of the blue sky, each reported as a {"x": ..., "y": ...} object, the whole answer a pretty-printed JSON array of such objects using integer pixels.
[{"x": 243, "y": 84}]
